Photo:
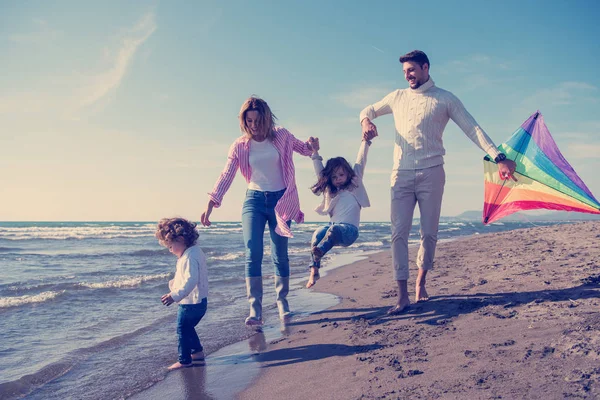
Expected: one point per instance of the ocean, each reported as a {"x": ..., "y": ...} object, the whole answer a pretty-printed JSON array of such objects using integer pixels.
[{"x": 80, "y": 310}]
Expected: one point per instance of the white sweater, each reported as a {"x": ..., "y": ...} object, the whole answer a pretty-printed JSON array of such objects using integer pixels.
[
  {"x": 190, "y": 284},
  {"x": 420, "y": 116}
]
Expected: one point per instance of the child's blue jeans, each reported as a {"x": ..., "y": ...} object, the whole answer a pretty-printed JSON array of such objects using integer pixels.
[
  {"x": 257, "y": 212},
  {"x": 334, "y": 234},
  {"x": 188, "y": 316}
]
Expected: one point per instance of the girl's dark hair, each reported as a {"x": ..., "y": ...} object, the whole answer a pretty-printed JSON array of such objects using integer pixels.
[
  {"x": 325, "y": 184},
  {"x": 169, "y": 229}
]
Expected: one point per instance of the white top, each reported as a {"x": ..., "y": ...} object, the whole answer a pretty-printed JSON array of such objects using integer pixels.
[
  {"x": 265, "y": 165},
  {"x": 346, "y": 204},
  {"x": 346, "y": 210},
  {"x": 190, "y": 284},
  {"x": 420, "y": 116}
]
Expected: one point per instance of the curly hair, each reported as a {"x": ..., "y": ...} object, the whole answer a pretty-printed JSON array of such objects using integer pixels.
[
  {"x": 169, "y": 229},
  {"x": 325, "y": 184},
  {"x": 266, "y": 117}
]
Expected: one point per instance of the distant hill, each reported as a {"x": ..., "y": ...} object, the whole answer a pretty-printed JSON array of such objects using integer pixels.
[{"x": 475, "y": 215}]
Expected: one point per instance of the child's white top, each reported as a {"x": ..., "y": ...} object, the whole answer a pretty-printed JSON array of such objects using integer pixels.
[
  {"x": 190, "y": 284},
  {"x": 346, "y": 209},
  {"x": 265, "y": 164},
  {"x": 345, "y": 205}
]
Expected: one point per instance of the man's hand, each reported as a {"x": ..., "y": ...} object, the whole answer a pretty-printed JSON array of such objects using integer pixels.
[
  {"x": 167, "y": 300},
  {"x": 368, "y": 128},
  {"x": 506, "y": 169},
  {"x": 313, "y": 144}
]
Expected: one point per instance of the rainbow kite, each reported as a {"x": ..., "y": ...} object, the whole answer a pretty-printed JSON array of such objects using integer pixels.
[{"x": 545, "y": 178}]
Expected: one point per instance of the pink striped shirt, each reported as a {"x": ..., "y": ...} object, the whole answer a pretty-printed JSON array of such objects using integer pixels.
[{"x": 288, "y": 207}]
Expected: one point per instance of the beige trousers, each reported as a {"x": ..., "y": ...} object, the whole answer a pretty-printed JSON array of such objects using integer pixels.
[{"x": 409, "y": 187}]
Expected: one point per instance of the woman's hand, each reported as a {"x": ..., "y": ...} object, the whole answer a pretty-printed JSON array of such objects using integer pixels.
[
  {"x": 313, "y": 144},
  {"x": 206, "y": 214}
]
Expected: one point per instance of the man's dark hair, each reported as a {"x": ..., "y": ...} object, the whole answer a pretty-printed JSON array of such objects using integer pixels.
[{"x": 416, "y": 56}]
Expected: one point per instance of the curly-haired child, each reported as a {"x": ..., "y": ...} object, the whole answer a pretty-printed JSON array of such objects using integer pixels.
[{"x": 189, "y": 287}]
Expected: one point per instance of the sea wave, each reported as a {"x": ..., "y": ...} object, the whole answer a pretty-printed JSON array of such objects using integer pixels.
[
  {"x": 449, "y": 230},
  {"x": 378, "y": 243},
  {"x": 90, "y": 231},
  {"x": 28, "y": 383},
  {"x": 228, "y": 257},
  {"x": 125, "y": 281},
  {"x": 22, "y": 288},
  {"x": 6, "y": 302},
  {"x": 148, "y": 252},
  {"x": 77, "y": 232},
  {"x": 9, "y": 249}
]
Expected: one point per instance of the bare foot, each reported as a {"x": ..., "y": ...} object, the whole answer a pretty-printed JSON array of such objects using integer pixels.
[
  {"x": 179, "y": 365},
  {"x": 399, "y": 308},
  {"x": 199, "y": 356},
  {"x": 286, "y": 318},
  {"x": 313, "y": 278},
  {"x": 420, "y": 291}
]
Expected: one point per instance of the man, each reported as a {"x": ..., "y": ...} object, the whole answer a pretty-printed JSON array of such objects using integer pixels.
[{"x": 421, "y": 113}]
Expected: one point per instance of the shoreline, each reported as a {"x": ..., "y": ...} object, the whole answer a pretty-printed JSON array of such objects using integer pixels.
[
  {"x": 232, "y": 368},
  {"x": 511, "y": 315}
]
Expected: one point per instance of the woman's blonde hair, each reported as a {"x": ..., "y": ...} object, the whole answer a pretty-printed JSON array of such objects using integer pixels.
[{"x": 266, "y": 118}]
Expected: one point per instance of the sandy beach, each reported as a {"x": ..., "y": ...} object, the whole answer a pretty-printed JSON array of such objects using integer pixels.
[{"x": 512, "y": 315}]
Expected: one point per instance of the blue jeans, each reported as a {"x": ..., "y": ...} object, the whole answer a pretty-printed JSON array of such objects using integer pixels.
[
  {"x": 259, "y": 210},
  {"x": 334, "y": 234},
  {"x": 188, "y": 316}
]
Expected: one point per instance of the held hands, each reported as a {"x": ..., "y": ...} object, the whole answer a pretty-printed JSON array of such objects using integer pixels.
[
  {"x": 313, "y": 144},
  {"x": 368, "y": 136},
  {"x": 369, "y": 130},
  {"x": 167, "y": 300},
  {"x": 506, "y": 169},
  {"x": 206, "y": 214}
]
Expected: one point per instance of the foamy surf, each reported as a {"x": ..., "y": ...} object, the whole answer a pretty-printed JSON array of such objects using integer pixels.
[
  {"x": 126, "y": 282},
  {"x": 6, "y": 302}
]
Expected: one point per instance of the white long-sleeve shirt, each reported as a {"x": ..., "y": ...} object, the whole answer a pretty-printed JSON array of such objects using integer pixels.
[
  {"x": 420, "y": 116},
  {"x": 190, "y": 284},
  {"x": 345, "y": 206}
]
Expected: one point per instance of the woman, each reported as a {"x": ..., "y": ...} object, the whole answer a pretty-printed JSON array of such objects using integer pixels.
[{"x": 264, "y": 155}]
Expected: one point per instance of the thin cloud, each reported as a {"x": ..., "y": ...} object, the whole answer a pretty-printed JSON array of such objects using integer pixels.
[
  {"x": 378, "y": 49},
  {"x": 103, "y": 83},
  {"x": 66, "y": 96},
  {"x": 562, "y": 94}
]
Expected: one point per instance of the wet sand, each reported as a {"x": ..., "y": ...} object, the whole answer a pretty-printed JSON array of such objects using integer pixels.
[
  {"x": 230, "y": 369},
  {"x": 512, "y": 315}
]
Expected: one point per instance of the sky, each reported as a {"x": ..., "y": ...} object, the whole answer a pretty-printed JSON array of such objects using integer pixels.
[{"x": 125, "y": 111}]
